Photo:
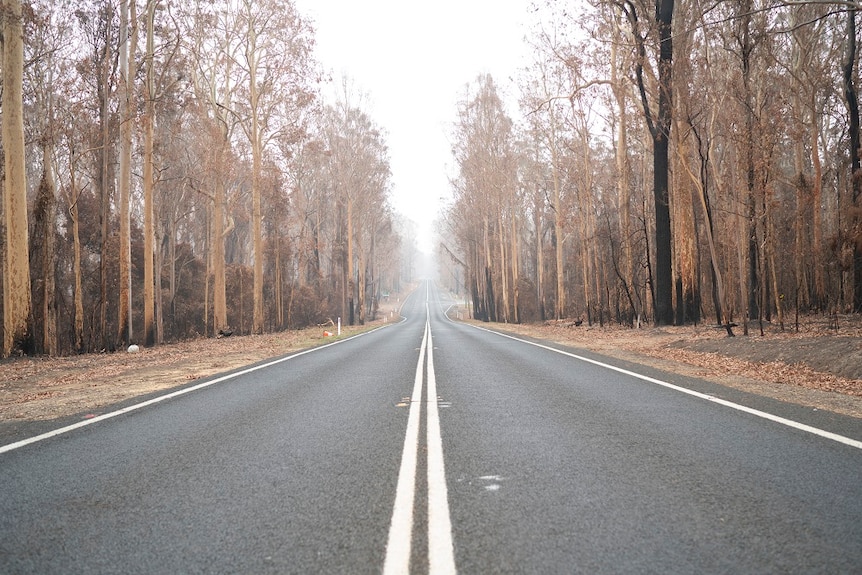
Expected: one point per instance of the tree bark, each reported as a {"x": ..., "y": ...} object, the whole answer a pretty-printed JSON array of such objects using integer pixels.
[
  {"x": 848, "y": 66},
  {"x": 127, "y": 90},
  {"x": 560, "y": 306},
  {"x": 351, "y": 281},
  {"x": 76, "y": 258},
  {"x": 620, "y": 89},
  {"x": 256, "y": 152},
  {"x": 149, "y": 183},
  {"x": 16, "y": 284},
  {"x": 218, "y": 254},
  {"x": 659, "y": 128},
  {"x": 661, "y": 140},
  {"x": 44, "y": 324},
  {"x": 538, "y": 224},
  {"x": 104, "y": 95}
]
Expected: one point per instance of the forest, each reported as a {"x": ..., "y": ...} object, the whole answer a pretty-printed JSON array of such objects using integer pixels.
[
  {"x": 174, "y": 170},
  {"x": 668, "y": 162},
  {"x": 171, "y": 170}
]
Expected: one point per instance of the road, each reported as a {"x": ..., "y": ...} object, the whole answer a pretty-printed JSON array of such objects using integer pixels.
[{"x": 435, "y": 446}]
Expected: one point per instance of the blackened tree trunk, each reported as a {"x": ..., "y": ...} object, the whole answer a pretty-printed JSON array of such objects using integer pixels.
[
  {"x": 42, "y": 261},
  {"x": 659, "y": 127},
  {"x": 754, "y": 276},
  {"x": 661, "y": 139},
  {"x": 853, "y": 111}
]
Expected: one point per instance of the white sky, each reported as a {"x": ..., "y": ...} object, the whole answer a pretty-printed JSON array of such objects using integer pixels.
[{"x": 413, "y": 60}]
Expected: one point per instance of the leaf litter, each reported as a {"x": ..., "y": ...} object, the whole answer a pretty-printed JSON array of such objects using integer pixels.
[{"x": 816, "y": 367}]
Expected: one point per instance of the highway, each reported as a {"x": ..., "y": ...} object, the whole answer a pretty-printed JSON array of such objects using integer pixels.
[{"x": 432, "y": 446}]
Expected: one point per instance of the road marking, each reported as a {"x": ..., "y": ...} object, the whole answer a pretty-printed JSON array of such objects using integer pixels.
[
  {"x": 401, "y": 528},
  {"x": 441, "y": 554},
  {"x": 137, "y": 406},
  {"x": 756, "y": 412}
]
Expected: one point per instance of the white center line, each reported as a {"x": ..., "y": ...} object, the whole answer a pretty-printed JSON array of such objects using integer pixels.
[
  {"x": 441, "y": 554},
  {"x": 401, "y": 528}
]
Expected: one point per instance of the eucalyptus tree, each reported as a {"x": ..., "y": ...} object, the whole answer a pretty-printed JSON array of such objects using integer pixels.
[
  {"x": 848, "y": 70},
  {"x": 278, "y": 77},
  {"x": 213, "y": 41},
  {"x": 48, "y": 32},
  {"x": 96, "y": 67},
  {"x": 126, "y": 90},
  {"x": 16, "y": 276},
  {"x": 358, "y": 164},
  {"x": 544, "y": 100},
  {"x": 651, "y": 25},
  {"x": 485, "y": 185}
]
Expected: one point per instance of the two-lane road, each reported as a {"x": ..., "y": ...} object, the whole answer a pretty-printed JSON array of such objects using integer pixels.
[{"x": 434, "y": 446}]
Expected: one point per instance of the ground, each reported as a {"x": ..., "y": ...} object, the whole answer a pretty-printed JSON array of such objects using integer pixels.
[{"x": 817, "y": 366}]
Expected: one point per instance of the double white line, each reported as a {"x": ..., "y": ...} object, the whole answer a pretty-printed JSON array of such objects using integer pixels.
[{"x": 441, "y": 555}]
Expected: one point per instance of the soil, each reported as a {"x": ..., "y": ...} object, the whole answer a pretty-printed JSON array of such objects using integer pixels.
[{"x": 817, "y": 366}]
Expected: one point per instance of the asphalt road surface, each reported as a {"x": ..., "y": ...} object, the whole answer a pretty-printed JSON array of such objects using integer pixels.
[{"x": 433, "y": 446}]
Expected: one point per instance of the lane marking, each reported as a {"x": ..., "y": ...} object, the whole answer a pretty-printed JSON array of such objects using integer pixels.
[
  {"x": 401, "y": 527},
  {"x": 441, "y": 550},
  {"x": 756, "y": 412},
  {"x": 159, "y": 399}
]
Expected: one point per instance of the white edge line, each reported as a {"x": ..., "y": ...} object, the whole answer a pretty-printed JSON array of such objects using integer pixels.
[
  {"x": 185, "y": 390},
  {"x": 756, "y": 412}
]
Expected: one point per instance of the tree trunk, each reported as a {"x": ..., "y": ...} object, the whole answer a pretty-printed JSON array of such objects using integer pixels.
[
  {"x": 516, "y": 315},
  {"x": 848, "y": 66},
  {"x": 754, "y": 279},
  {"x": 172, "y": 274},
  {"x": 770, "y": 253},
  {"x": 127, "y": 90},
  {"x": 560, "y": 306},
  {"x": 104, "y": 94},
  {"x": 256, "y": 152},
  {"x": 620, "y": 89},
  {"x": 43, "y": 257},
  {"x": 218, "y": 265},
  {"x": 351, "y": 281},
  {"x": 279, "y": 286},
  {"x": 701, "y": 184},
  {"x": 817, "y": 212},
  {"x": 504, "y": 268},
  {"x": 158, "y": 266},
  {"x": 659, "y": 128},
  {"x": 149, "y": 183},
  {"x": 361, "y": 303},
  {"x": 76, "y": 262},
  {"x": 16, "y": 276},
  {"x": 538, "y": 210},
  {"x": 209, "y": 270},
  {"x": 661, "y": 140}
]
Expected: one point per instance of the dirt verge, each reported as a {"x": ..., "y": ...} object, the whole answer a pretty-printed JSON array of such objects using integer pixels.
[{"x": 815, "y": 367}]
